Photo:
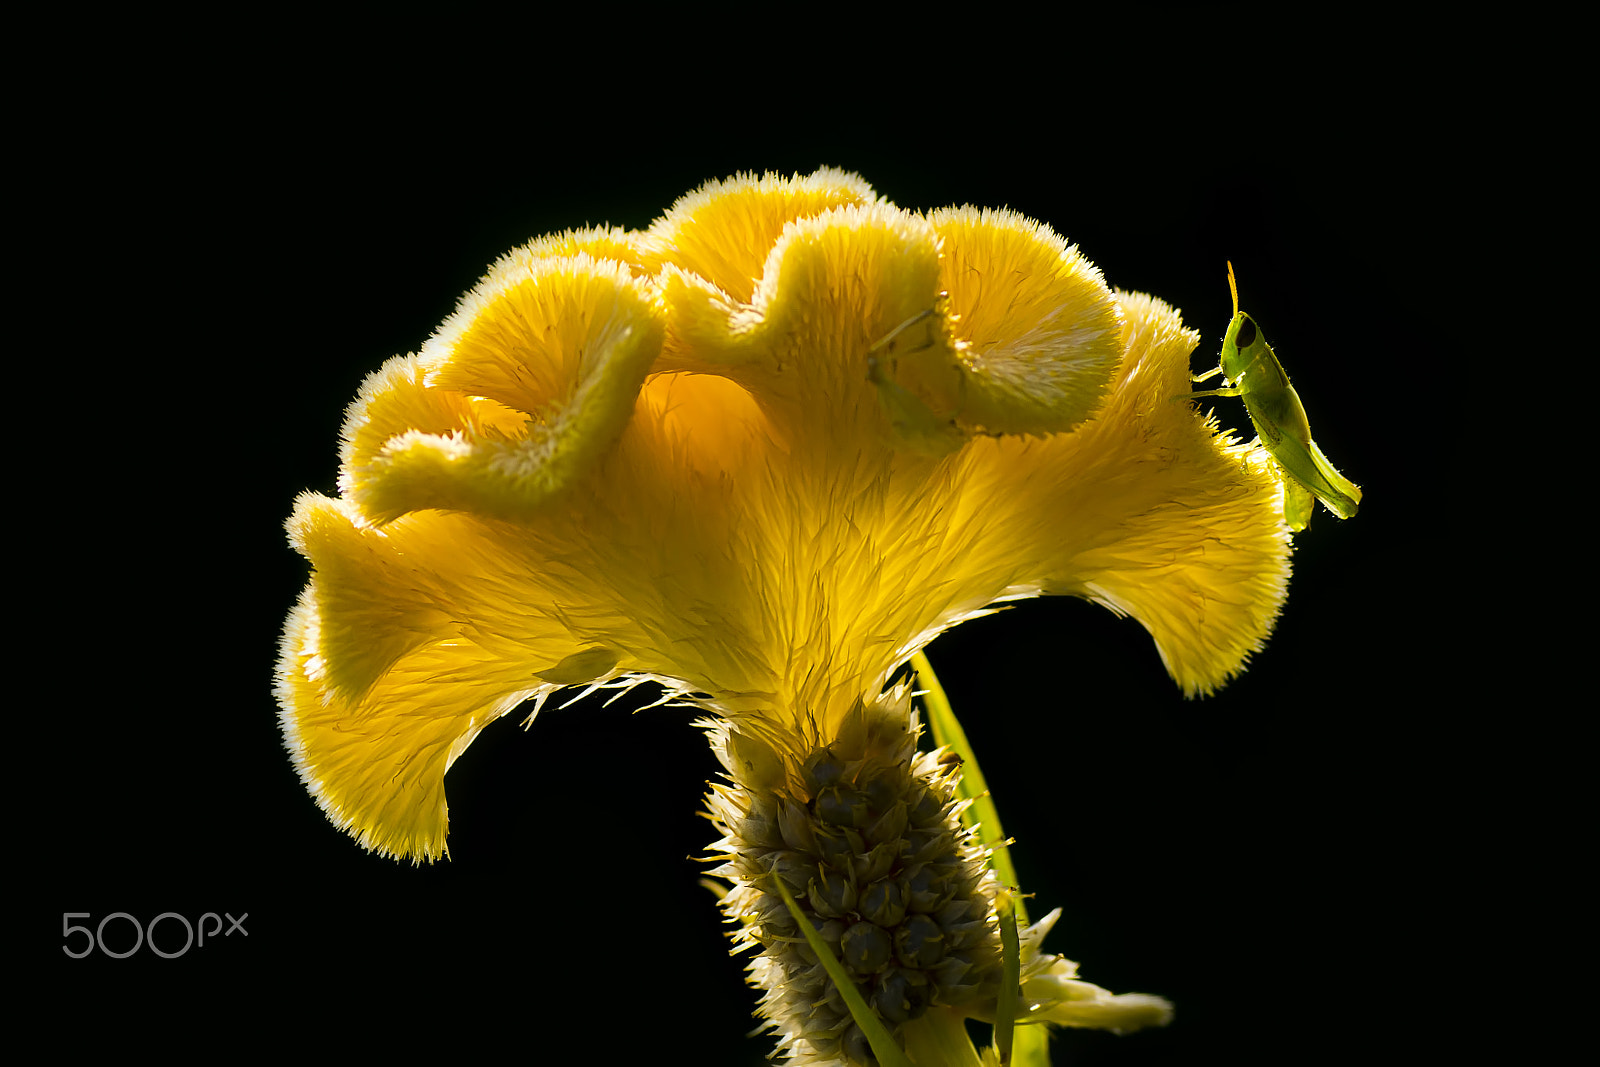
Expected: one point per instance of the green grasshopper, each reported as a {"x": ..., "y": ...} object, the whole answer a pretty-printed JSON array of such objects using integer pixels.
[{"x": 1255, "y": 376}]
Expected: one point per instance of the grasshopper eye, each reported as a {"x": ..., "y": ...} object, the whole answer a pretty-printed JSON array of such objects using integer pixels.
[{"x": 1246, "y": 335}]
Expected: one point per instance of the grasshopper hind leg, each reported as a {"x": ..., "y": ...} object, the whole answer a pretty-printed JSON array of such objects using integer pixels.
[{"x": 1298, "y": 504}]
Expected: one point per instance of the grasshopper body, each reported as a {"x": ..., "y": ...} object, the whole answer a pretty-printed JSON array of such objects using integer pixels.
[{"x": 1254, "y": 375}]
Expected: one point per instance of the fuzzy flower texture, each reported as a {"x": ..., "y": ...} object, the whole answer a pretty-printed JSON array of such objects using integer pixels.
[{"x": 761, "y": 453}]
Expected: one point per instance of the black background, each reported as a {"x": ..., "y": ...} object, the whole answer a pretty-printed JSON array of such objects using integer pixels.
[{"x": 1276, "y": 859}]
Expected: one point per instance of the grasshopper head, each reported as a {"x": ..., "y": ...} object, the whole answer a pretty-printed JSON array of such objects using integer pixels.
[{"x": 1242, "y": 345}]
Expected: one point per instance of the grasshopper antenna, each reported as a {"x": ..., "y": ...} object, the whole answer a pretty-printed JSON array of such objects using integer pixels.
[{"x": 1234, "y": 289}]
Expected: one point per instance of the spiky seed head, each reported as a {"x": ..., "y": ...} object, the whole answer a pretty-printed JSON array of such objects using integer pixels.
[{"x": 865, "y": 834}]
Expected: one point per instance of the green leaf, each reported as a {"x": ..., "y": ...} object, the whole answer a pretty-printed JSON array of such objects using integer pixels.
[
  {"x": 1005, "y": 1005},
  {"x": 947, "y": 731},
  {"x": 1027, "y": 1046}
]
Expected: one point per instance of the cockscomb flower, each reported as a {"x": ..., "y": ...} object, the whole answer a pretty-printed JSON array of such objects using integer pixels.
[{"x": 761, "y": 453}]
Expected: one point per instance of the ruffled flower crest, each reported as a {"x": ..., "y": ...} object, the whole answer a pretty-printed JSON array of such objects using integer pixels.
[{"x": 761, "y": 453}]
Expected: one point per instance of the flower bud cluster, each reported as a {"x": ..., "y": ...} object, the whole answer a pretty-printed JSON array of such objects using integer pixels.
[{"x": 871, "y": 848}]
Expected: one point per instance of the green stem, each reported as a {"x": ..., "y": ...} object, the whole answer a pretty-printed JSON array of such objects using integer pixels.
[{"x": 938, "y": 1038}]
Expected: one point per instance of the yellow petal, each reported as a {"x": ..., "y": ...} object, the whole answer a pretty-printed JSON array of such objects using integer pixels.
[
  {"x": 566, "y": 342},
  {"x": 376, "y": 764},
  {"x": 1147, "y": 510},
  {"x": 1039, "y": 333},
  {"x": 371, "y": 605},
  {"x": 723, "y": 231},
  {"x": 1090, "y": 1006},
  {"x": 1053, "y": 992}
]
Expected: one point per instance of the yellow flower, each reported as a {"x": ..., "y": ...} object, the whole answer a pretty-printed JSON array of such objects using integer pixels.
[{"x": 761, "y": 453}]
